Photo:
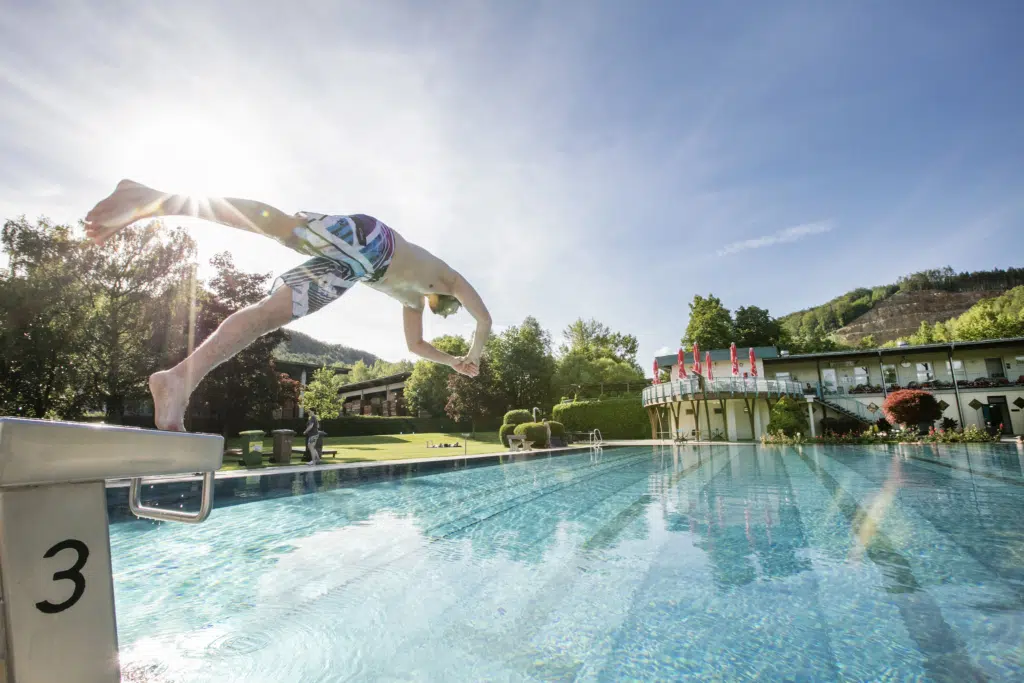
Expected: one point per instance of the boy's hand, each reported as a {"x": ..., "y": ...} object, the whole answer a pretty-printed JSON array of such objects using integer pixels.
[{"x": 466, "y": 367}]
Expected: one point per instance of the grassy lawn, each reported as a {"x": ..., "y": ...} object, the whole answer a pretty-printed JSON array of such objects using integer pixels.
[{"x": 369, "y": 448}]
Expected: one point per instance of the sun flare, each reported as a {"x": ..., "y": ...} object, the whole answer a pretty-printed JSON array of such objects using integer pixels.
[{"x": 193, "y": 153}]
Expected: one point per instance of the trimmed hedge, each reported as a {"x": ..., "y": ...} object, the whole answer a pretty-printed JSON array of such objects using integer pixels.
[
  {"x": 518, "y": 417},
  {"x": 536, "y": 432},
  {"x": 557, "y": 429},
  {"x": 354, "y": 425},
  {"x": 617, "y": 418},
  {"x": 503, "y": 433}
]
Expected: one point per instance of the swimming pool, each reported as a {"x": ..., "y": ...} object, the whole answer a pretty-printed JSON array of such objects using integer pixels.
[{"x": 650, "y": 563}]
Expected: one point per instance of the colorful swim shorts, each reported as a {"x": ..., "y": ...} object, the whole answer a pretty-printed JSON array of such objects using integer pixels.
[{"x": 345, "y": 250}]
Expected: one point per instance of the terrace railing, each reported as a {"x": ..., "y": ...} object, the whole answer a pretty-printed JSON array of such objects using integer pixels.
[
  {"x": 726, "y": 387},
  {"x": 851, "y": 407},
  {"x": 941, "y": 383}
]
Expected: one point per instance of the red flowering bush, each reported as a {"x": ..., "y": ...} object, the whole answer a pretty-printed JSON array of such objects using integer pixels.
[{"x": 911, "y": 407}]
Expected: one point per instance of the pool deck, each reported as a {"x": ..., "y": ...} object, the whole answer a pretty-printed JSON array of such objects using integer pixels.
[{"x": 362, "y": 464}]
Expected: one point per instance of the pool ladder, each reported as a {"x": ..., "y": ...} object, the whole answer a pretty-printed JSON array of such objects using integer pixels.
[{"x": 595, "y": 438}]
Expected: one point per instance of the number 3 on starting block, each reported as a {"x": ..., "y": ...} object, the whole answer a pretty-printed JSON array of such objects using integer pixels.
[{"x": 55, "y": 570}]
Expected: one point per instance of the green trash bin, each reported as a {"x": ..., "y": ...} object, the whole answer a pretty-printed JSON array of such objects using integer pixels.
[{"x": 252, "y": 447}]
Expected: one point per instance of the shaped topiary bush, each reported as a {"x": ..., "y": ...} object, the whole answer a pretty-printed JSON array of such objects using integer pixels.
[
  {"x": 536, "y": 432},
  {"x": 518, "y": 417},
  {"x": 557, "y": 429},
  {"x": 503, "y": 433}
]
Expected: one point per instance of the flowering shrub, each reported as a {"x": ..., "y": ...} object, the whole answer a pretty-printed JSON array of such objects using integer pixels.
[
  {"x": 874, "y": 435},
  {"x": 911, "y": 407},
  {"x": 970, "y": 435},
  {"x": 779, "y": 438}
]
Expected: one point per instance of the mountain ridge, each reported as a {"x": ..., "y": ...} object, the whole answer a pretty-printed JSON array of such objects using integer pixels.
[{"x": 302, "y": 348}]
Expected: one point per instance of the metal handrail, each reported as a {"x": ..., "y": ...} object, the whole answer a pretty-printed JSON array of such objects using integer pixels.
[
  {"x": 596, "y": 438},
  {"x": 160, "y": 514},
  {"x": 693, "y": 387},
  {"x": 851, "y": 405}
]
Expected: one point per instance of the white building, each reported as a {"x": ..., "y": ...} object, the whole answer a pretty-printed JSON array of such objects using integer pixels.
[{"x": 977, "y": 383}]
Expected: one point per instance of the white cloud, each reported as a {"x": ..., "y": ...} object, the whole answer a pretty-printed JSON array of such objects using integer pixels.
[{"x": 794, "y": 234}]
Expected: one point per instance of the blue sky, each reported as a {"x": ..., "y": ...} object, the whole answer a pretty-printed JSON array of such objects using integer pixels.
[{"x": 571, "y": 158}]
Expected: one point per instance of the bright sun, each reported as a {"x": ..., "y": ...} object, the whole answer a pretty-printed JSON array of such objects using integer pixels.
[{"x": 198, "y": 153}]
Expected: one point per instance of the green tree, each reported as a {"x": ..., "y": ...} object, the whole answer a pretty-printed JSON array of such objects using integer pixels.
[
  {"x": 592, "y": 355},
  {"x": 710, "y": 324},
  {"x": 578, "y": 369},
  {"x": 523, "y": 365},
  {"x": 596, "y": 340},
  {"x": 321, "y": 394},
  {"x": 426, "y": 390},
  {"x": 247, "y": 387},
  {"x": 361, "y": 372},
  {"x": 788, "y": 417},
  {"x": 472, "y": 398},
  {"x": 995, "y": 318},
  {"x": 42, "y": 317},
  {"x": 131, "y": 286},
  {"x": 756, "y": 327}
]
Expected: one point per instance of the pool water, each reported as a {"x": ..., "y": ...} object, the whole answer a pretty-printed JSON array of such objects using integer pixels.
[{"x": 654, "y": 563}]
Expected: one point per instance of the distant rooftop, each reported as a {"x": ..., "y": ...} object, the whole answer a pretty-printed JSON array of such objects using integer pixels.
[
  {"x": 773, "y": 354},
  {"x": 372, "y": 383},
  {"x": 909, "y": 348}
]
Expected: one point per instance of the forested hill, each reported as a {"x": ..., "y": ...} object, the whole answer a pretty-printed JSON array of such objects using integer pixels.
[
  {"x": 303, "y": 348},
  {"x": 948, "y": 294}
]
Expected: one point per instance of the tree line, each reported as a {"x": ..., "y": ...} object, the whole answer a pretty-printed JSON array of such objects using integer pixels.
[
  {"x": 83, "y": 326},
  {"x": 520, "y": 368}
]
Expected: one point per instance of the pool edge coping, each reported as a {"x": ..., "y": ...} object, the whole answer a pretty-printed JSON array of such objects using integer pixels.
[{"x": 361, "y": 464}]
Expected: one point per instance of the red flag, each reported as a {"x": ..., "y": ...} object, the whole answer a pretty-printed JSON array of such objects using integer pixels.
[
  {"x": 681, "y": 358},
  {"x": 656, "y": 380},
  {"x": 735, "y": 361},
  {"x": 696, "y": 358},
  {"x": 753, "y": 363},
  {"x": 707, "y": 361}
]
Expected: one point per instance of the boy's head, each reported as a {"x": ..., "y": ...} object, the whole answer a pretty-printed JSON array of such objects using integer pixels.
[{"x": 443, "y": 305}]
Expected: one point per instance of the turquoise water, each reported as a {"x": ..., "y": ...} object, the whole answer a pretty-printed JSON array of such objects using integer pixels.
[{"x": 696, "y": 563}]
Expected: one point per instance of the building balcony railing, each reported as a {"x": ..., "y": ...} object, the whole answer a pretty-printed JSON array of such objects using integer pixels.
[
  {"x": 693, "y": 388},
  {"x": 963, "y": 381}
]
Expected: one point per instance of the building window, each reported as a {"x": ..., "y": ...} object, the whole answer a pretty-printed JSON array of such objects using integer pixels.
[
  {"x": 889, "y": 374},
  {"x": 925, "y": 372},
  {"x": 994, "y": 366},
  {"x": 956, "y": 370},
  {"x": 860, "y": 377}
]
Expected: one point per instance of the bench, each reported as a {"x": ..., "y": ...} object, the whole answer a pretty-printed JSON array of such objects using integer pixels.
[{"x": 517, "y": 442}]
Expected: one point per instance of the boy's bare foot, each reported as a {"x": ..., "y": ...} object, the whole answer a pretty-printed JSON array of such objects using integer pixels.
[
  {"x": 170, "y": 400},
  {"x": 129, "y": 202}
]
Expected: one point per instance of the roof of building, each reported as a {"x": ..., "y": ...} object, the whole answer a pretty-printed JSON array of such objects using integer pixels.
[
  {"x": 372, "y": 383},
  {"x": 771, "y": 354},
  {"x": 284, "y": 362},
  {"x": 720, "y": 355},
  {"x": 904, "y": 350}
]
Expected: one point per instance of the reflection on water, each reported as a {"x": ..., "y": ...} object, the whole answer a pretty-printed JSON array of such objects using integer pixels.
[{"x": 725, "y": 562}]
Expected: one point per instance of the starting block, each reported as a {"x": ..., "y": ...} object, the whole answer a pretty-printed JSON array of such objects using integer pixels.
[{"x": 57, "y": 618}]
